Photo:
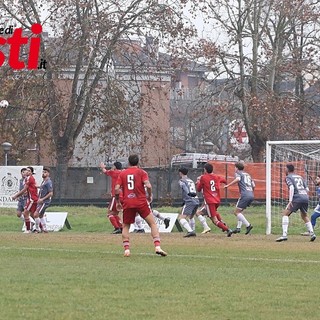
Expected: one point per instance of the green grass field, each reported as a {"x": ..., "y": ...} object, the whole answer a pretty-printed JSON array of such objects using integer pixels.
[{"x": 81, "y": 273}]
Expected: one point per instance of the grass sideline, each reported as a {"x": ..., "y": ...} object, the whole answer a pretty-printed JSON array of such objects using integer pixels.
[{"x": 81, "y": 273}]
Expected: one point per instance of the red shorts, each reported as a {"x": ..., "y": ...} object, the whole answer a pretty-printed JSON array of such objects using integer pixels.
[
  {"x": 212, "y": 209},
  {"x": 129, "y": 214},
  {"x": 31, "y": 206}
]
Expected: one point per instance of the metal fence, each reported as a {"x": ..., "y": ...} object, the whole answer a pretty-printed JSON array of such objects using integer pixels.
[{"x": 88, "y": 186}]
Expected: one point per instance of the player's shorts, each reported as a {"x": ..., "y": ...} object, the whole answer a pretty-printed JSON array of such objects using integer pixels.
[
  {"x": 244, "y": 202},
  {"x": 189, "y": 209},
  {"x": 129, "y": 214},
  {"x": 302, "y": 206},
  {"x": 31, "y": 206},
  {"x": 41, "y": 208},
  {"x": 212, "y": 209}
]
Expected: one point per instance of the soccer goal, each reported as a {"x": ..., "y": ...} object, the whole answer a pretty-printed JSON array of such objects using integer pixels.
[{"x": 305, "y": 156}]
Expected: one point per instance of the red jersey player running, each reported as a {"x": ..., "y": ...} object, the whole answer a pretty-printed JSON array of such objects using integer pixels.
[
  {"x": 134, "y": 182},
  {"x": 113, "y": 213},
  {"x": 209, "y": 184},
  {"x": 32, "y": 191}
]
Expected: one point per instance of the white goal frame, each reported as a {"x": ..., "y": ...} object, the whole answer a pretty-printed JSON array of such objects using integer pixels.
[{"x": 269, "y": 145}]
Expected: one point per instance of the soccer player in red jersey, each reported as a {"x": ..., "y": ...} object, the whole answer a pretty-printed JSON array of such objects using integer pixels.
[
  {"x": 32, "y": 192},
  {"x": 209, "y": 184},
  {"x": 112, "y": 212},
  {"x": 134, "y": 182}
]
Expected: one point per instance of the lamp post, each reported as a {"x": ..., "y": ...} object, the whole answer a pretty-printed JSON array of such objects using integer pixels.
[
  {"x": 208, "y": 146},
  {"x": 6, "y": 146}
]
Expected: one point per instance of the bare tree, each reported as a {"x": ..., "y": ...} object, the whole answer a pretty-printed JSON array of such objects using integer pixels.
[
  {"x": 79, "y": 83},
  {"x": 266, "y": 46}
]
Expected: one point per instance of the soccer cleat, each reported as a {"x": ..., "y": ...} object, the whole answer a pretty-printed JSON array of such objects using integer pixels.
[
  {"x": 140, "y": 231},
  {"x": 117, "y": 231},
  {"x": 249, "y": 228},
  {"x": 166, "y": 222},
  {"x": 27, "y": 231},
  {"x": 190, "y": 234},
  {"x": 236, "y": 230},
  {"x": 161, "y": 253},
  {"x": 282, "y": 238},
  {"x": 229, "y": 233},
  {"x": 206, "y": 231},
  {"x": 313, "y": 237},
  {"x": 126, "y": 253},
  {"x": 307, "y": 233}
]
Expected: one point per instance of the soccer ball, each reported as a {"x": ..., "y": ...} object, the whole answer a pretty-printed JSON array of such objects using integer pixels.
[{"x": 4, "y": 104}]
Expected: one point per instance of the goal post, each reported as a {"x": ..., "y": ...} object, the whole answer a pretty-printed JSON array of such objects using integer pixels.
[{"x": 305, "y": 156}]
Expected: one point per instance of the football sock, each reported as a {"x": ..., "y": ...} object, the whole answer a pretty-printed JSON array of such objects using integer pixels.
[
  {"x": 113, "y": 221},
  {"x": 43, "y": 223},
  {"x": 203, "y": 222},
  {"x": 285, "y": 224},
  {"x": 27, "y": 222},
  {"x": 222, "y": 226},
  {"x": 37, "y": 222},
  {"x": 119, "y": 221},
  {"x": 192, "y": 224},
  {"x": 126, "y": 244},
  {"x": 309, "y": 227},
  {"x": 158, "y": 215},
  {"x": 156, "y": 241},
  {"x": 242, "y": 218},
  {"x": 186, "y": 224}
]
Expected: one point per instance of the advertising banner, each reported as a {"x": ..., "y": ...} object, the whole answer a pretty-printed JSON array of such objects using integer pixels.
[
  {"x": 172, "y": 216},
  {"x": 9, "y": 183}
]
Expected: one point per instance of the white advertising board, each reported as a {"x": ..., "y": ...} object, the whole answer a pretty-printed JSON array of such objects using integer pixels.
[
  {"x": 172, "y": 216},
  {"x": 55, "y": 220}
]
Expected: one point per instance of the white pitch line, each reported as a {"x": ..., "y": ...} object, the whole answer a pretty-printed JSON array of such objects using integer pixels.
[{"x": 169, "y": 255}]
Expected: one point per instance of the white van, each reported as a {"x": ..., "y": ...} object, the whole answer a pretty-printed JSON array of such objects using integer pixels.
[{"x": 197, "y": 160}]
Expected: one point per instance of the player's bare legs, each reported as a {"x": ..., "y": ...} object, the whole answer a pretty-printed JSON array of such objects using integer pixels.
[
  {"x": 305, "y": 218},
  {"x": 155, "y": 234},
  {"x": 203, "y": 222},
  {"x": 114, "y": 218},
  {"x": 125, "y": 239},
  {"x": 240, "y": 217},
  {"x": 26, "y": 215},
  {"x": 221, "y": 225}
]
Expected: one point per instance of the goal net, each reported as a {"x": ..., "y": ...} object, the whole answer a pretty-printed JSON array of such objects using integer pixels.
[{"x": 305, "y": 156}]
